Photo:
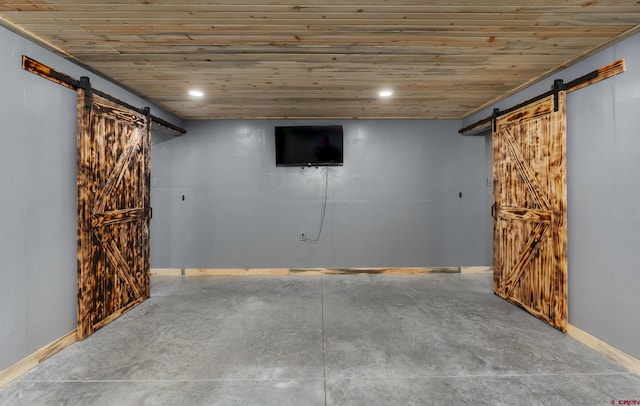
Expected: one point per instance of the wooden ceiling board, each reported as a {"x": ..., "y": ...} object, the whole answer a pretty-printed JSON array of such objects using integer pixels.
[{"x": 324, "y": 59}]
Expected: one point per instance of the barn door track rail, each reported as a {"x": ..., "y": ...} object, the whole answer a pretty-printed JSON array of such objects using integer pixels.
[
  {"x": 65, "y": 80},
  {"x": 590, "y": 78}
]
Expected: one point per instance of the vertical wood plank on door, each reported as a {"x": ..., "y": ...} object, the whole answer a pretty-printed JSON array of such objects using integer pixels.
[{"x": 85, "y": 185}]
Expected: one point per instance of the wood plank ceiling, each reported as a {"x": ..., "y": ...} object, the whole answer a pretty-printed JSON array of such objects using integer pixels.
[{"x": 324, "y": 58}]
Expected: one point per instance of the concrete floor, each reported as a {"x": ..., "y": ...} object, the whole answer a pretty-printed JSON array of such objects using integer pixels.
[{"x": 441, "y": 339}]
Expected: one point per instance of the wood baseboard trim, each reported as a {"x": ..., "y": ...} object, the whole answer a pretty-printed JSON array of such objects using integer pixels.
[
  {"x": 302, "y": 271},
  {"x": 166, "y": 271},
  {"x": 475, "y": 269},
  {"x": 16, "y": 370},
  {"x": 314, "y": 271},
  {"x": 614, "y": 354}
]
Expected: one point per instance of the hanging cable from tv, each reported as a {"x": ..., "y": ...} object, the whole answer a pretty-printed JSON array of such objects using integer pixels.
[{"x": 324, "y": 210}]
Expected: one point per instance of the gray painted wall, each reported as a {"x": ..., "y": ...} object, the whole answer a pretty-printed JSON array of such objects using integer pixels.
[
  {"x": 603, "y": 182},
  {"x": 395, "y": 202},
  {"x": 38, "y": 199}
]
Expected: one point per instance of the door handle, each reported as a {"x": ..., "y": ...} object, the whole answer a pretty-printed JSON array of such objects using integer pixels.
[{"x": 494, "y": 208}]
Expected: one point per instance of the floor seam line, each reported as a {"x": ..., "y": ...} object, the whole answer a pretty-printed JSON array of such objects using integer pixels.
[
  {"x": 487, "y": 376},
  {"x": 323, "y": 378},
  {"x": 324, "y": 354},
  {"x": 166, "y": 380}
]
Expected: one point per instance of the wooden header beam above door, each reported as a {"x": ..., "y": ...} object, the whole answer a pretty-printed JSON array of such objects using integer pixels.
[
  {"x": 590, "y": 78},
  {"x": 65, "y": 80}
]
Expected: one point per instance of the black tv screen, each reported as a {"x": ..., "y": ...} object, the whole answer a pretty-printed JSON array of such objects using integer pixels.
[{"x": 309, "y": 145}]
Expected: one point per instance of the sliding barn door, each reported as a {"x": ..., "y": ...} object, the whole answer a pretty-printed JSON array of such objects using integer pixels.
[
  {"x": 113, "y": 211},
  {"x": 530, "y": 227}
]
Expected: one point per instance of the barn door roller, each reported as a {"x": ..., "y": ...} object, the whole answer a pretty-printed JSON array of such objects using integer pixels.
[
  {"x": 85, "y": 84},
  {"x": 558, "y": 86}
]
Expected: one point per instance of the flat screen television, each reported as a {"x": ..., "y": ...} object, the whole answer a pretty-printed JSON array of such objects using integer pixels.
[{"x": 318, "y": 145}]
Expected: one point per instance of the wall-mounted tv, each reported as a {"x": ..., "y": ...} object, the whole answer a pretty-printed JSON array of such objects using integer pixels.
[{"x": 318, "y": 145}]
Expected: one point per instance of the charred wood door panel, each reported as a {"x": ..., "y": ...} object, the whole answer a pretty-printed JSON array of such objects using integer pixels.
[
  {"x": 530, "y": 227},
  {"x": 113, "y": 211}
]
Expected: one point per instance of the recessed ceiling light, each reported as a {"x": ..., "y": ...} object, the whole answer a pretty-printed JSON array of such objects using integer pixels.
[
  {"x": 385, "y": 93},
  {"x": 196, "y": 93}
]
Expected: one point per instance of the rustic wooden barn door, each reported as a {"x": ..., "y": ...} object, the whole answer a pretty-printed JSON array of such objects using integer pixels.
[
  {"x": 113, "y": 210},
  {"x": 530, "y": 227}
]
